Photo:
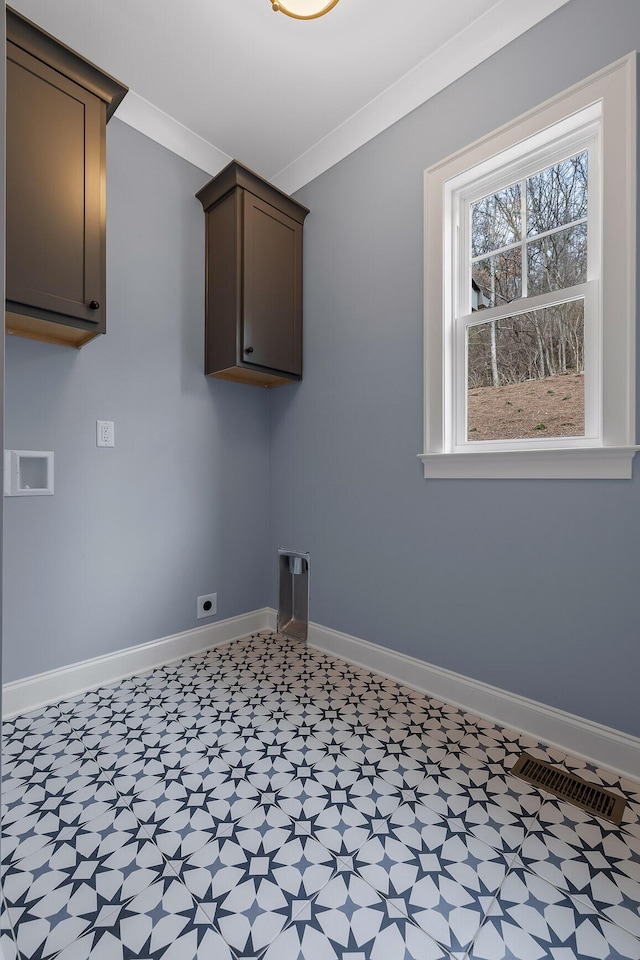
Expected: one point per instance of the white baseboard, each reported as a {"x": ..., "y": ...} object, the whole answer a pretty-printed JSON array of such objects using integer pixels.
[
  {"x": 36, "y": 691},
  {"x": 573, "y": 735},
  {"x": 607, "y": 748}
]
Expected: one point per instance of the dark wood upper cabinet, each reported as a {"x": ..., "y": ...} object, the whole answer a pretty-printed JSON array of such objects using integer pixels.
[
  {"x": 58, "y": 105},
  {"x": 253, "y": 327}
]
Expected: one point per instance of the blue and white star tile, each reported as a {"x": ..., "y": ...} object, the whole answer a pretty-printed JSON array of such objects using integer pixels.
[
  {"x": 342, "y": 808},
  {"x": 337, "y": 733},
  {"x": 501, "y": 745},
  {"x": 26, "y": 732},
  {"x": 268, "y": 734},
  {"x": 91, "y": 709},
  {"x": 273, "y": 771},
  {"x": 35, "y": 813},
  {"x": 406, "y": 769},
  {"x": 404, "y": 731},
  {"x": 252, "y": 688},
  {"x": 130, "y": 726},
  {"x": 445, "y": 880},
  {"x": 348, "y": 920},
  {"x": 57, "y": 893},
  {"x": 132, "y": 774},
  {"x": 161, "y": 923},
  {"x": 281, "y": 684},
  {"x": 107, "y": 717},
  {"x": 241, "y": 755},
  {"x": 31, "y": 752},
  {"x": 163, "y": 750},
  {"x": 239, "y": 710},
  {"x": 308, "y": 737},
  {"x": 117, "y": 698},
  {"x": 212, "y": 732},
  {"x": 334, "y": 700},
  {"x": 196, "y": 678},
  {"x": 531, "y": 920},
  {"x": 616, "y": 784},
  {"x": 304, "y": 749},
  {"x": 493, "y": 805},
  {"x": 183, "y": 814},
  {"x": 195, "y": 706},
  {"x": 303, "y": 713},
  {"x": 269, "y": 723},
  {"x": 251, "y": 882},
  {"x": 8, "y": 947},
  {"x": 301, "y": 682},
  {"x": 43, "y": 721},
  {"x": 589, "y": 860},
  {"x": 555, "y": 811},
  {"x": 305, "y": 796}
]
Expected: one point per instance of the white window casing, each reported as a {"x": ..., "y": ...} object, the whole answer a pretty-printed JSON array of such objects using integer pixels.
[{"x": 597, "y": 115}]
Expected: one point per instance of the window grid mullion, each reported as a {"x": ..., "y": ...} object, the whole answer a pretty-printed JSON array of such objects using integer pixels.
[
  {"x": 495, "y": 253},
  {"x": 563, "y": 226},
  {"x": 531, "y": 239},
  {"x": 524, "y": 287}
]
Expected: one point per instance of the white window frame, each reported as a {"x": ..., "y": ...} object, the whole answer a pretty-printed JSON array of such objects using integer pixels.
[
  {"x": 599, "y": 114},
  {"x": 580, "y": 133}
]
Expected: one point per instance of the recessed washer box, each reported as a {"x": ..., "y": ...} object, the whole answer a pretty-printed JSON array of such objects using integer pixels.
[
  {"x": 28, "y": 473},
  {"x": 293, "y": 594}
]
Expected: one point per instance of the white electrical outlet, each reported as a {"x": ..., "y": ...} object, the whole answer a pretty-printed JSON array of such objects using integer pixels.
[
  {"x": 207, "y": 605},
  {"x": 105, "y": 434}
]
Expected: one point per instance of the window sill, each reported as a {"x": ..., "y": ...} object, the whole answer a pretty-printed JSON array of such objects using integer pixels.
[{"x": 577, "y": 463}]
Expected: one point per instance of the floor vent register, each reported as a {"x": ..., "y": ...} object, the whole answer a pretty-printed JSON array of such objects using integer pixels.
[{"x": 567, "y": 786}]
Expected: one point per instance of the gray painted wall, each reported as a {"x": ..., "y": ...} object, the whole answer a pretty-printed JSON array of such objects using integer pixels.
[
  {"x": 2, "y": 259},
  {"x": 531, "y": 586},
  {"x": 179, "y": 507}
]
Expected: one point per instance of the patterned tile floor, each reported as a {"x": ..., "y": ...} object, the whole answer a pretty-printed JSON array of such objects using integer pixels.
[{"x": 267, "y": 801}]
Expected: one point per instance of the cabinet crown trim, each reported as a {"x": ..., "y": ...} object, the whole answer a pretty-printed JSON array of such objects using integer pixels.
[
  {"x": 34, "y": 40},
  {"x": 235, "y": 175}
]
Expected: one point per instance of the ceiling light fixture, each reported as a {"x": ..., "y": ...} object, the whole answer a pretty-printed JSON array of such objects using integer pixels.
[{"x": 303, "y": 9}]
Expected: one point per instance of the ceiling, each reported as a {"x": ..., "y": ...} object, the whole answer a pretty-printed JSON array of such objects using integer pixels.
[{"x": 215, "y": 79}]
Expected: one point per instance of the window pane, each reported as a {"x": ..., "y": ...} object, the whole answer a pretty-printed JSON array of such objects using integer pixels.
[
  {"x": 497, "y": 279},
  {"x": 558, "y": 260},
  {"x": 525, "y": 375},
  {"x": 557, "y": 195},
  {"x": 496, "y": 221}
]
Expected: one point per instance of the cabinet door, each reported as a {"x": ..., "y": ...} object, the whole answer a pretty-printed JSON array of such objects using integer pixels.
[
  {"x": 272, "y": 325},
  {"x": 55, "y": 193}
]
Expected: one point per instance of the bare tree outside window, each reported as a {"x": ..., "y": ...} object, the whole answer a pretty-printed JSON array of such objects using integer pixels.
[{"x": 528, "y": 239}]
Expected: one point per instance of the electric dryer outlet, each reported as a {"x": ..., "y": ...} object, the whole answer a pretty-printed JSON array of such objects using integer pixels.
[{"x": 207, "y": 605}]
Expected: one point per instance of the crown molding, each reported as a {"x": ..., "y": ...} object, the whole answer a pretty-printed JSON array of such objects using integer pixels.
[
  {"x": 504, "y": 22},
  {"x": 154, "y": 123}
]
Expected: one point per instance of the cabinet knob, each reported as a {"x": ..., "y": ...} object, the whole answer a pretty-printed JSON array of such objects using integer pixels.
[
  {"x": 248, "y": 349},
  {"x": 94, "y": 305}
]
